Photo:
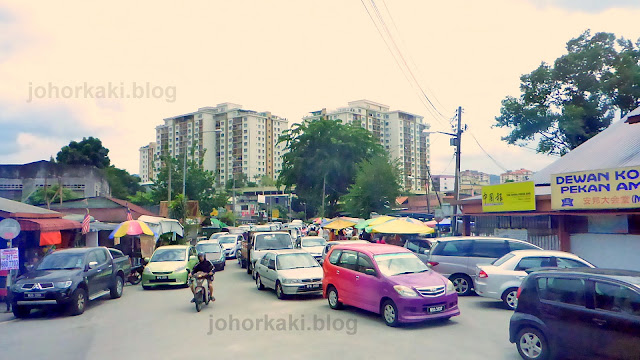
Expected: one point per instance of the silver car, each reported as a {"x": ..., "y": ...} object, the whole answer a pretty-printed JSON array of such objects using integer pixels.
[
  {"x": 289, "y": 272},
  {"x": 457, "y": 257},
  {"x": 230, "y": 244},
  {"x": 330, "y": 244},
  {"x": 501, "y": 280},
  {"x": 314, "y": 245}
]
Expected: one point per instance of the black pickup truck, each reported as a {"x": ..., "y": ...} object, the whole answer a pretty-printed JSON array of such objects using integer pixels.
[{"x": 71, "y": 278}]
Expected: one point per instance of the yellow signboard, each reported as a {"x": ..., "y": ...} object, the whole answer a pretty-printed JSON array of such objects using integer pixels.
[
  {"x": 596, "y": 189},
  {"x": 517, "y": 196},
  {"x": 275, "y": 213}
]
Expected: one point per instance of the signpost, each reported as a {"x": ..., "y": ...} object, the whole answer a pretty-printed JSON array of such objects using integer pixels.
[
  {"x": 9, "y": 259},
  {"x": 596, "y": 189},
  {"x": 517, "y": 196}
]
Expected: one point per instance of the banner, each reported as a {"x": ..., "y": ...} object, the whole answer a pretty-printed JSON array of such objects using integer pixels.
[
  {"x": 517, "y": 196},
  {"x": 9, "y": 259},
  {"x": 597, "y": 189}
]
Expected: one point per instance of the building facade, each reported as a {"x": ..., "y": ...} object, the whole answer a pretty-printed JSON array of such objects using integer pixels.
[
  {"x": 473, "y": 177},
  {"x": 229, "y": 140},
  {"x": 516, "y": 176},
  {"x": 18, "y": 182},
  {"x": 401, "y": 133},
  {"x": 444, "y": 183},
  {"x": 147, "y": 156}
]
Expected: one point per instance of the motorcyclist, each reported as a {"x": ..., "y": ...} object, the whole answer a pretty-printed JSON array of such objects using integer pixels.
[{"x": 206, "y": 267}]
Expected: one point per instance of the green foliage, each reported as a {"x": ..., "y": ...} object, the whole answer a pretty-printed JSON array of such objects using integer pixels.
[
  {"x": 265, "y": 180},
  {"x": 376, "y": 187},
  {"x": 142, "y": 198},
  {"x": 89, "y": 151},
  {"x": 52, "y": 195},
  {"x": 322, "y": 150},
  {"x": 564, "y": 105},
  {"x": 178, "y": 208},
  {"x": 123, "y": 185},
  {"x": 228, "y": 218},
  {"x": 241, "y": 181}
]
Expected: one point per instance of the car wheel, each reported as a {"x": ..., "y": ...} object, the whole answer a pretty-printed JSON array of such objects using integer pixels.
[
  {"x": 78, "y": 302},
  {"x": 116, "y": 290},
  {"x": 390, "y": 313},
  {"x": 259, "y": 282},
  {"x": 532, "y": 345},
  {"x": 332, "y": 297},
  {"x": 249, "y": 267},
  {"x": 462, "y": 284},
  {"x": 20, "y": 312},
  {"x": 279, "y": 293},
  {"x": 510, "y": 298}
]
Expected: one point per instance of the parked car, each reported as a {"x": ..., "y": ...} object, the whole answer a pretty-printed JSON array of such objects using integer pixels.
[
  {"x": 501, "y": 279},
  {"x": 590, "y": 313},
  {"x": 169, "y": 265},
  {"x": 230, "y": 244},
  {"x": 457, "y": 257},
  {"x": 387, "y": 280},
  {"x": 262, "y": 242},
  {"x": 314, "y": 245},
  {"x": 217, "y": 235},
  {"x": 420, "y": 247},
  {"x": 289, "y": 272},
  {"x": 331, "y": 244},
  {"x": 71, "y": 278},
  {"x": 213, "y": 252}
]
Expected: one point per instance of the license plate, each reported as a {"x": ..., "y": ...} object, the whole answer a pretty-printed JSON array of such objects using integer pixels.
[
  {"x": 162, "y": 277},
  {"x": 34, "y": 295},
  {"x": 313, "y": 286},
  {"x": 436, "y": 309}
]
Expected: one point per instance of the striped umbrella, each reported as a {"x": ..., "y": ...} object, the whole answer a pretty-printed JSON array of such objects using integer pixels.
[{"x": 131, "y": 227}]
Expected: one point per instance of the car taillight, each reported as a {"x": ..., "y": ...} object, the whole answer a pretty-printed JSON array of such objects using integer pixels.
[
  {"x": 518, "y": 293},
  {"x": 433, "y": 263},
  {"x": 482, "y": 274}
]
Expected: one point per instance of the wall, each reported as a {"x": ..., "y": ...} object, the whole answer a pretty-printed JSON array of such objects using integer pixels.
[{"x": 618, "y": 251}]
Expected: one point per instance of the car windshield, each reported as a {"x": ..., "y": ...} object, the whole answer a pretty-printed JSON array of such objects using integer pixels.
[
  {"x": 168, "y": 255},
  {"x": 208, "y": 248},
  {"x": 227, "y": 239},
  {"x": 217, "y": 236},
  {"x": 313, "y": 241},
  {"x": 400, "y": 263},
  {"x": 295, "y": 261},
  {"x": 58, "y": 261},
  {"x": 273, "y": 242}
]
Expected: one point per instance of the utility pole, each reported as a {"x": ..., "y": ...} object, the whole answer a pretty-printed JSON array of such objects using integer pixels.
[
  {"x": 184, "y": 174},
  {"x": 324, "y": 191},
  {"x": 426, "y": 183},
  {"x": 169, "y": 164},
  {"x": 454, "y": 225}
]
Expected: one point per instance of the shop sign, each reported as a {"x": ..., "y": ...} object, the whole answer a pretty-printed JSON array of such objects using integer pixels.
[
  {"x": 596, "y": 189},
  {"x": 517, "y": 196},
  {"x": 9, "y": 259}
]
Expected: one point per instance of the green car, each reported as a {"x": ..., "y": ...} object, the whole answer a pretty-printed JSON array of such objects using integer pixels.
[{"x": 169, "y": 265}]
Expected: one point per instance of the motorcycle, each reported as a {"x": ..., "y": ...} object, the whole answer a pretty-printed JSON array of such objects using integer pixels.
[
  {"x": 201, "y": 295},
  {"x": 135, "y": 276}
]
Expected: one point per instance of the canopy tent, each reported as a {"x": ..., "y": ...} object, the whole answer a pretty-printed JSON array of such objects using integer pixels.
[
  {"x": 160, "y": 225},
  {"x": 217, "y": 224},
  {"x": 374, "y": 221},
  {"x": 445, "y": 222},
  {"x": 339, "y": 224},
  {"x": 400, "y": 226},
  {"x": 131, "y": 227}
]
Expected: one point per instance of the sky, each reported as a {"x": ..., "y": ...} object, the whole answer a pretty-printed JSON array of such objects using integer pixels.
[{"x": 69, "y": 68}]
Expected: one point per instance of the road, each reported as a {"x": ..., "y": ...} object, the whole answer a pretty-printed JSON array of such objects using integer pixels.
[{"x": 163, "y": 324}]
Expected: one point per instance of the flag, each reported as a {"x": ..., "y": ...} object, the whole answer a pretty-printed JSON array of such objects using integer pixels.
[
  {"x": 129, "y": 216},
  {"x": 85, "y": 223}
]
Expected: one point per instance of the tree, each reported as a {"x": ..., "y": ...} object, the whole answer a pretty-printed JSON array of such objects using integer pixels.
[
  {"x": 321, "y": 158},
  {"x": 89, "y": 151},
  {"x": 123, "y": 185},
  {"x": 564, "y": 105},
  {"x": 142, "y": 198},
  {"x": 52, "y": 195},
  {"x": 376, "y": 187},
  {"x": 241, "y": 181},
  {"x": 266, "y": 180},
  {"x": 178, "y": 208}
]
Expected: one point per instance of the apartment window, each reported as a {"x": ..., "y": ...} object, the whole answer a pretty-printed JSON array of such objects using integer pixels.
[
  {"x": 245, "y": 138},
  {"x": 245, "y": 143},
  {"x": 246, "y": 131}
]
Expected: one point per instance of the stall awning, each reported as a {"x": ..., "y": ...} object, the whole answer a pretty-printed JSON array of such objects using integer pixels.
[
  {"x": 45, "y": 225},
  {"x": 50, "y": 238}
]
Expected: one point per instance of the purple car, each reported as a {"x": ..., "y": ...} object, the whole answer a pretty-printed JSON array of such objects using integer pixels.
[{"x": 387, "y": 280}]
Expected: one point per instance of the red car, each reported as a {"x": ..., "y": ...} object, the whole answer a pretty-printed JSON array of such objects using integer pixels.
[{"x": 387, "y": 280}]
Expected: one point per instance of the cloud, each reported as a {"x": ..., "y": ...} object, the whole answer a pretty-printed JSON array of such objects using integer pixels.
[{"x": 588, "y": 6}]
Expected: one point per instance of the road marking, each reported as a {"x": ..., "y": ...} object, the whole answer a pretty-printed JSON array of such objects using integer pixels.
[{"x": 8, "y": 321}]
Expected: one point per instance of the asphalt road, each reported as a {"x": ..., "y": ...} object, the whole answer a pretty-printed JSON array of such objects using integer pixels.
[{"x": 245, "y": 323}]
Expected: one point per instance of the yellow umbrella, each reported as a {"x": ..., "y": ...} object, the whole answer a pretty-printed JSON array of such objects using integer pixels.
[
  {"x": 400, "y": 226},
  {"x": 339, "y": 224}
]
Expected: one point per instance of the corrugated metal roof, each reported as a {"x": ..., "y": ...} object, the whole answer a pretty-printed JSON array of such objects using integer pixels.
[
  {"x": 17, "y": 209},
  {"x": 616, "y": 146}
]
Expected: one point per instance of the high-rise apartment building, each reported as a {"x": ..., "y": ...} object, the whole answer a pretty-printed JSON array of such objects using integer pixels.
[
  {"x": 474, "y": 177},
  {"x": 147, "y": 157},
  {"x": 516, "y": 176},
  {"x": 229, "y": 139},
  {"x": 401, "y": 133}
]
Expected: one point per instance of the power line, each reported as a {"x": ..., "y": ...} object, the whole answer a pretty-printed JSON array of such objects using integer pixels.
[{"x": 486, "y": 153}]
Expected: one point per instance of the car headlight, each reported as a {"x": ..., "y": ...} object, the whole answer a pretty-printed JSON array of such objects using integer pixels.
[
  {"x": 16, "y": 287},
  {"x": 450, "y": 287},
  {"x": 181, "y": 268},
  {"x": 63, "y": 284},
  {"x": 146, "y": 270},
  {"x": 405, "y": 291},
  {"x": 290, "y": 281}
]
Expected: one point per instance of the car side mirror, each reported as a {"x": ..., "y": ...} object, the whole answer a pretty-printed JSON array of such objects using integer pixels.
[
  {"x": 371, "y": 272},
  {"x": 92, "y": 264},
  {"x": 193, "y": 258}
]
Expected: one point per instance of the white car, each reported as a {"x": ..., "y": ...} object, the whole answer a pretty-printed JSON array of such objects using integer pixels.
[
  {"x": 501, "y": 279},
  {"x": 230, "y": 244},
  {"x": 289, "y": 272},
  {"x": 314, "y": 245}
]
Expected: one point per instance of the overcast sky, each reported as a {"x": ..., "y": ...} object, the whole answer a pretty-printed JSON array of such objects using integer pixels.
[{"x": 287, "y": 57}]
